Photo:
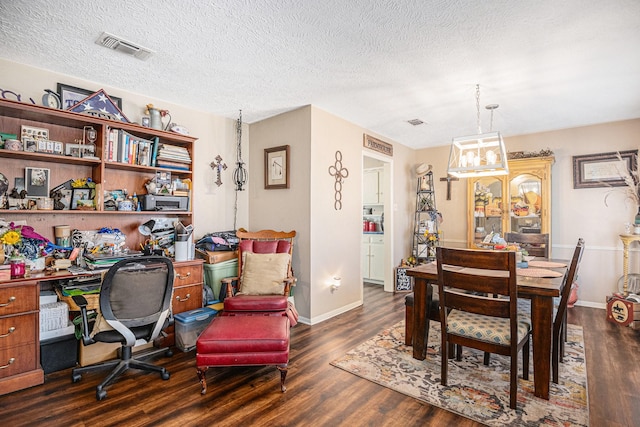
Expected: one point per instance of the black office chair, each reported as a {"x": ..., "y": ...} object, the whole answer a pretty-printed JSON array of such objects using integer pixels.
[{"x": 135, "y": 301}]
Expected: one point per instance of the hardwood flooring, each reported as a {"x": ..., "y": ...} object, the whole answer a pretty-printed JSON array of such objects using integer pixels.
[{"x": 318, "y": 394}]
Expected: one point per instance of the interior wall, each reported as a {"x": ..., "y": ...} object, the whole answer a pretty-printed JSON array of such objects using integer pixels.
[
  {"x": 574, "y": 212},
  {"x": 212, "y": 205},
  {"x": 285, "y": 209}
]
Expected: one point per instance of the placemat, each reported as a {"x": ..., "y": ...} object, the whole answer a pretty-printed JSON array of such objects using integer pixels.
[
  {"x": 547, "y": 264},
  {"x": 537, "y": 272}
]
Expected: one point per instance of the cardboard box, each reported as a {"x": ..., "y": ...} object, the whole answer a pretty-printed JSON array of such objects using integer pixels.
[
  {"x": 101, "y": 351},
  {"x": 212, "y": 257}
]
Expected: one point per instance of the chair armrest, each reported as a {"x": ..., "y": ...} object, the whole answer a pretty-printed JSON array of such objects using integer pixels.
[
  {"x": 289, "y": 282},
  {"x": 82, "y": 303}
]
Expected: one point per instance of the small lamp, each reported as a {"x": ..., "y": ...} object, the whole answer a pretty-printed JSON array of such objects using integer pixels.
[
  {"x": 147, "y": 228},
  {"x": 335, "y": 284}
]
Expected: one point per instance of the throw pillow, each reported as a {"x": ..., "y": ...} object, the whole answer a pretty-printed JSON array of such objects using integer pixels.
[{"x": 263, "y": 274}]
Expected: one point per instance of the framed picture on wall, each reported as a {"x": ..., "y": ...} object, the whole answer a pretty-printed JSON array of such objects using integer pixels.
[
  {"x": 603, "y": 169},
  {"x": 36, "y": 182},
  {"x": 70, "y": 96},
  {"x": 276, "y": 167}
]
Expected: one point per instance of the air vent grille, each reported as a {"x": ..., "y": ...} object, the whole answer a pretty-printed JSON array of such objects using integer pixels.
[
  {"x": 121, "y": 45},
  {"x": 415, "y": 122}
]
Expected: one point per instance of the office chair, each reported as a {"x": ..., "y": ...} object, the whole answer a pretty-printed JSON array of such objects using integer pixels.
[{"x": 135, "y": 302}]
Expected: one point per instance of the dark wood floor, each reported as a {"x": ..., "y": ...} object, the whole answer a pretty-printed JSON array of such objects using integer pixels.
[{"x": 318, "y": 394}]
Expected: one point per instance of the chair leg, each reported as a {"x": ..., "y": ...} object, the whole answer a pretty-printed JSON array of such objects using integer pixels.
[
  {"x": 487, "y": 358},
  {"x": 525, "y": 360},
  {"x": 444, "y": 359},
  {"x": 513, "y": 384},
  {"x": 203, "y": 379},
  {"x": 283, "y": 375},
  {"x": 408, "y": 325},
  {"x": 556, "y": 356}
]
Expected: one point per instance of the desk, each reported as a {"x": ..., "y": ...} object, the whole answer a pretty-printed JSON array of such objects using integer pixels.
[{"x": 540, "y": 291}]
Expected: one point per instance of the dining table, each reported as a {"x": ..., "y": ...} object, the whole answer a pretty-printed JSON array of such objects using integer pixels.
[{"x": 540, "y": 290}]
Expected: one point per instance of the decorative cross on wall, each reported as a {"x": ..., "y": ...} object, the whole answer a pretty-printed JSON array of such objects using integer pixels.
[
  {"x": 340, "y": 173},
  {"x": 218, "y": 166},
  {"x": 449, "y": 178}
]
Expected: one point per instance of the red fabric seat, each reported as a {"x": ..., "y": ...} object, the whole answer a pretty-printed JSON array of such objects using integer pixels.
[
  {"x": 255, "y": 303},
  {"x": 244, "y": 341}
]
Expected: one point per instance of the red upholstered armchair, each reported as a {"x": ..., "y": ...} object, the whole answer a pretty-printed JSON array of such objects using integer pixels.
[{"x": 265, "y": 277}]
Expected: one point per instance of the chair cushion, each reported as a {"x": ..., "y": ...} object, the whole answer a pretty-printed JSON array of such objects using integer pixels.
[
  {"x": 245, "y": 334},
  {"x": 256, "y": 303},
  {"x": 263, "y": 273},
  {"x": 485, "y": 328},
  {"x": 265, "y": 246}
]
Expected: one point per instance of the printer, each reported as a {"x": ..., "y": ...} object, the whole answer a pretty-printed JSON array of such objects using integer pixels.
[{"x": 156, "y": 202}]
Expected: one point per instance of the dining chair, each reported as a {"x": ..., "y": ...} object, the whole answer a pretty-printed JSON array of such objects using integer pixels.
[
  {"x": 535, "y": 244},
  {"x": 560, "y": 315},
  {"x": 472, "y": 319}
]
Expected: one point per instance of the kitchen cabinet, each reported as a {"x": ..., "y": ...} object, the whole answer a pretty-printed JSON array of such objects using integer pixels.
[
  {"x": 519, "y": 202},
  {"x": 373, "y": 257},
  {"x": 372, "y": 180},
  {"x": 67, "y": 128}
]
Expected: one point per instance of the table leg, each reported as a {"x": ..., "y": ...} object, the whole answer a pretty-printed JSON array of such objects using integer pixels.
[
  {"x": 541, "y": 319},
  {"x": 422, "y": 295}
]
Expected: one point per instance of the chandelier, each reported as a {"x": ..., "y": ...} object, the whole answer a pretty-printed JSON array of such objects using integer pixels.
[{"x": 483, "y": 154}]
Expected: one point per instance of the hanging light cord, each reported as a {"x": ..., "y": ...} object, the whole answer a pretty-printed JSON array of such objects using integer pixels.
[{"x": 240, "y": 173}]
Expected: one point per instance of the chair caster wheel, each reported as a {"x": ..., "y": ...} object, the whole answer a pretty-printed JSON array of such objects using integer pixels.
[
  {"x": 101, "y": 394},
  {"x": 168, "y": 353},
  {"x": 165, "y": 375},
  {"x": 76, "y": 377}
]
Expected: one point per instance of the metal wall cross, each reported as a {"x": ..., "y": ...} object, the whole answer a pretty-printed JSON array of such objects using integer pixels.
[{"x": 218, "y": 166}]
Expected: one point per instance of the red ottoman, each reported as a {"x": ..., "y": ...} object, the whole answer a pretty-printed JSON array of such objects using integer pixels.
[{"x": 244, "y": 341}]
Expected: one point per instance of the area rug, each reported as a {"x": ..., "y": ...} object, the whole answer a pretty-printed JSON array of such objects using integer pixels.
[{"x": 475, "y": 391}]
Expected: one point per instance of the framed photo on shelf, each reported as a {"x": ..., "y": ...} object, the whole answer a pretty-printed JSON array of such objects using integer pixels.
[
  {"x": 71, "y": 95},
  {"x": 30, "y": 132},
  {"x": 276, "y": 167},
  {"x": 36, "y": 182},
  {"x": 80, "y": 197},
  {"x": 603, "y": 169}
]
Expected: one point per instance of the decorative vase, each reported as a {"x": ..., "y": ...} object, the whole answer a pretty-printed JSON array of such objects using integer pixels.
[{"x": 155, "y": 118}]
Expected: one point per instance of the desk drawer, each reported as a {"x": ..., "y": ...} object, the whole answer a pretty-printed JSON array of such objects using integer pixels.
[
  {"x": 18, "y": 299},
  {"x": 186, "y": 298},
  {"x": 17, "y": 330},
  {"x": 188, "y": 275},
  {"x": 16, "y": 360}
]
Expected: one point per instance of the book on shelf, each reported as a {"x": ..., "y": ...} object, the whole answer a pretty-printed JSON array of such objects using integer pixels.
[{"x": 123, "y": 147}]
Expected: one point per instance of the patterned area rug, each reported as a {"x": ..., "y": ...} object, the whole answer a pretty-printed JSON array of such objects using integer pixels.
[{"x": 475, "y": 391}]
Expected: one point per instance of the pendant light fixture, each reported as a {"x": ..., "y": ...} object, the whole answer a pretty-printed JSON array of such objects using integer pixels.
[
  {"x": 240, "y": 173},
  {"x": 483, "y": 154}
]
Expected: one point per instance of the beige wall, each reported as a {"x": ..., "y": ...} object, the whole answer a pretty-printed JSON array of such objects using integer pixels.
[{"x": 575, "y": 212}]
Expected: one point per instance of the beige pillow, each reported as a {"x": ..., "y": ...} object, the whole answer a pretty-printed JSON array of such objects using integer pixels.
[{"x": 263, "y": 274}]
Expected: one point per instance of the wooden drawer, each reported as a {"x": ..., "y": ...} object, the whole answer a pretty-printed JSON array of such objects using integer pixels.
[
  {"x": 17, "y": 330},
  {"x": 188, "y": 274},
  {"x": 16, "y": 360},
  {"x": 186, "y": 298},
  {"x": 18, "y": 298}
]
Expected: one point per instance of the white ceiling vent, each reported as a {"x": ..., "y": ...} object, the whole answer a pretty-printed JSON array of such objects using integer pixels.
[{"x": 121, "y": 45}]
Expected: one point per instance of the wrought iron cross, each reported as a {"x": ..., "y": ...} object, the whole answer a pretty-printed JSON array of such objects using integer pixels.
[
  {"x": 449, "y": 178},
  {"x": 218, "y": 166}
]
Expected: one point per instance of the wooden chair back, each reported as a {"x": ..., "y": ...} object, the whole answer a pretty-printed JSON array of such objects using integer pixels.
[{"x": 535, "y": 243}]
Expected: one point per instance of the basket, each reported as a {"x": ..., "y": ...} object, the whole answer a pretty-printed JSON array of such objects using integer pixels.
[{"x": 93, "y": 301}]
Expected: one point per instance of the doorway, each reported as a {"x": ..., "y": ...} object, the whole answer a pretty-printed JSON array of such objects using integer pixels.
[{"x": 376, "y": 245}]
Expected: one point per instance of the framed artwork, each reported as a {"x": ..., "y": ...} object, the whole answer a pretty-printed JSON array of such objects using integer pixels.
[
  {"x": 36, "y": 182},
  {"x": 70, "y": 96},
  {"x": 81, "y": 197},
  {"x": 276, "y": 167},
  {"x": 404, "y": 282},
  {"x": 603, "y": 169}
]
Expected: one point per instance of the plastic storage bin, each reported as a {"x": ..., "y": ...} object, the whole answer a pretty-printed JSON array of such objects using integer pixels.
[
  {"x": 214, "y": 273},
  {"x": 190, "y": 324}
]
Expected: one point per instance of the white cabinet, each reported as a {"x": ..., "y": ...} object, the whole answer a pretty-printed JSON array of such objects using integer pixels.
[
  {"x": 373, "y": 257},
  {"x": 372, "y": 179}
]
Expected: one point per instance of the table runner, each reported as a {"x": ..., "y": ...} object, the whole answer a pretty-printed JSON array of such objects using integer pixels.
[
  {"x": 538, "y": 272},
  {"x": 546, "y": 264}
]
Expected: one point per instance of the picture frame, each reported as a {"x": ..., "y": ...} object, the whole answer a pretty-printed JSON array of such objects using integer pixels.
[
  {"x": 35, "y": 133},
  {"x": 276, "y": 167},
  {"x": 79, "y": 150},
  {"x": 79, "y": 196},
  {"x": 71, "y": 95},
  {"x": 603, "y": 169},
  {"x": 36, "y": 182}
]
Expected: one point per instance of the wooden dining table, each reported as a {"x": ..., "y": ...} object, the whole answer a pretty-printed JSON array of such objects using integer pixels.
[{"x": 541, "y": 292}]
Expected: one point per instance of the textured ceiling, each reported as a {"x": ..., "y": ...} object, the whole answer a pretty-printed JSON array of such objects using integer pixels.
[{"x": 549, "y": 64}]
